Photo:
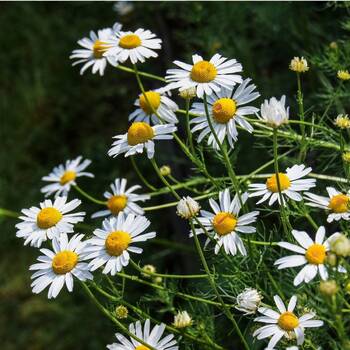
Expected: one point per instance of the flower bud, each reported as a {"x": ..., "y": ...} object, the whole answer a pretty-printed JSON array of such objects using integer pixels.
[
  {"x": 340, "y": 245},
  {"x": 333, "y": 45},
  {"x": 121, "y": 312},
  {"x": 342, "y": 121},
  {"x": 298, "y": 65},
  {"x": 328, "y": 288},
  {"x": 248, "y": 301},
  {"x": 189, "y": 93},
  {"x": 165, "y": 170},
  {"x": 343, "y": 75},
  {"x": 331, "y": 259},
  {"x": 187, "y": 208},
  {"x": 346, "y": 157},
  {"x": 158, "y": 280},
  {"x": 148, "y": 269},
  {"x": 182, "y": 319}
]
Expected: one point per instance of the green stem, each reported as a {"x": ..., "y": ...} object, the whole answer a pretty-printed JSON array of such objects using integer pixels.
[
  {"x": 144, "y": 74},
  {"x": 89, "y": 197},
  {"x": 302, "y": 117},
  {"x": 142, "y": 178},
  {"x": 188, "y": 128}
]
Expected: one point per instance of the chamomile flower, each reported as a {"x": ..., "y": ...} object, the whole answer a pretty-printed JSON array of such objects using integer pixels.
[
  {"x": 155, "y": 102},
  {"x": 136, "y": 46},
  {"x": 111, "y": 245},
  {"x": 140, "y": 137},
  {"x": 225, "y": 224},
  {"x": 248, "y": 301},
  {"x": 284, "y": 323},
  {"x": 226, "y": 108},
  {"x": 48, "y": 221},
  {"x": 58, "y": 267},
  {"x": 93, "y": 49},
  {"x": 337, "y": 204},
  {"x": 310, "y": 253},
  {"x": 206, "y": 76},
  {"x": 274, "y": 112},
  {"x": 148, "y": 336},
  {"x": 63, "y": 176},
  {"x": 290, "y": 184},
  {"x": 121, "y": 199}
]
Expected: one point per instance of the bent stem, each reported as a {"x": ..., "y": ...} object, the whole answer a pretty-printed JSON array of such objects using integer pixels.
[
  {"x": 89, "y": 197},
  {"x": 142, "y": 178}
]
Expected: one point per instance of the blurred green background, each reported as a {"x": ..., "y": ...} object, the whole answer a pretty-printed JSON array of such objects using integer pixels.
[{"x": 49, "y": 113}]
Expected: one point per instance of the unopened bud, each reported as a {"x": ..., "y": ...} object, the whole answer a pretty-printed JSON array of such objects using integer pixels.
[
  {"x": 148, "y": 269},
  {"x": 187, "y": 208},
  {"x": 165, "y": 170},
  {"x": 341, "y": 246},
  {"x": 328, "y": 288},
  {"x": 121, "y": 312},
  {"x": 189, "y": 93}
]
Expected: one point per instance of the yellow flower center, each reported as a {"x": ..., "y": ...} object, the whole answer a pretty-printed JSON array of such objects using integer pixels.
[
  {"x": 117, "y": 203},
  {"x": 99, "y": 48},
  {"x": 151, "y": 103},
  {"x": 141, "y": 347},
  {"x": 64, "y": 262},
  {"x": 271, "y": 182},
  {"x": 117, "y": 242},
  {"x": 288, "y": 321},
  {"x": 48, "y": 217},
  {"x": 139, "y": 132},
  {"x": 224, "y": 109},
  {"x": 130, "y": 41},
  {"x": 316, "y": 254},
  {"x": 68, "y": 176},
  {"x": 339, "y": 203},
  {"x": 203, "y": 72},
  {"x": 224, "y": 223}
]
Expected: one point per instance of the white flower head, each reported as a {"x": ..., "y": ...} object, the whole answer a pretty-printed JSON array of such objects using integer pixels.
[
  {"x": 225, "y": 224},
  {"x": 112, "y": 244},
  {"x": 64, "y": 176},
  {"x": 58, "y": 267},
  {"x": 226, "y": 109},
  {"x": 299, "y": 65},
  {"x": 274, "y": 112},
  {"x": 284, "y": 322},
  {"x": 123, "y": 8},
  {"x": 187, "y": 208},
  {"x": 248, "y": 301},
  {"x": 121, "y": 199},
  {"x": 206, "y": 76},
  {"x": 290, "y": 182},
  {"x": 182, "y": 320},
  {"x": 48, "y": 221}
]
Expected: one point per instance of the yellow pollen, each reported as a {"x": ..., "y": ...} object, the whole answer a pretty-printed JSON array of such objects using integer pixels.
[
  {"x": 130, "y": 41},
  {"x": 203, "y": 72},
  {"x": 224, "y": 109},
  {"x": 271, "y": 182},
  {"x": 64, "y": 262},
  {"x": 117, "y": 242},
  {"x": 288, "y": 321},
  {"x": 68, "y": 176},
  {"x": 339, "y": 203},
  {"x": 139, "y": 132},
  {"x": 117, "y": 203},
  {"x": 224, "y": 223},
  {"x": 141, "y": 347},
  {"x": 48, "y": 217},
  {"x": 151, "y": 103},
  {"x": 316, "y": 254},
  {"x": 99, "y": 48}
]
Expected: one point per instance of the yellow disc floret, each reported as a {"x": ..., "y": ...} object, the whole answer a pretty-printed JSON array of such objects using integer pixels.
[
  {"x": 224, "y": 109},
  {"x": 68, "y": 176},
  {"x": 288, "y": 321},
  {"x": 48, "y": 217},
  {"x": 117, "y": 203},
  {"x": 339, "y": 203},
  {"x": 203, "y": 72},
  {"x": 272, "y": 185},
  {"x": 141, "y": 347},
  {"x": 99, "y": 48},
  {"x": 316, "y": 254},
  {"x": 130, "y": 41},
  {"x": 224, "y": 223},
  {"x": 150, "y": 102},
  {"x": 64, "y": 262},
  {"x": 139, "y": 132},
  {"x": 117, "y": 242},
  {"x": 343, "y": 75}
]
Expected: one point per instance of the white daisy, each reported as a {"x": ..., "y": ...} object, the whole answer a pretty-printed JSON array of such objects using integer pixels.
[
  {"x": 93, "y": 49},
  {"x": 111, "y": 245},
  {"x": 121, "y": 199},
  {"x": 311, "y": 253},
  {"x": 158, "y": 103},
  {"x": 274, "y": 112},
  {"x": 48, "y": 221},
  {"x": 57, "y": 267},
  {"x": 225, "y": 110},
  {"x": 140, "y": 136},
  {"x": 206, "y": 76},
  {"x": 150, "y": 337},
  {"x": 225, "y": 224},
  {"x": 284, "y": 323},
  {"x": 136, "y": 46},
  {"x": 290, "y": 184},
  {"x": 248, "y": 301},
  {"x": 337, "y": 203},
  {"x": 64, "y": 176}
]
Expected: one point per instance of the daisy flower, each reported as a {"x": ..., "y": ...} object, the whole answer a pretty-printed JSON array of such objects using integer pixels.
[
  {"x": 290, "y": 184},
  {"x": 337, "y": 203},
  {"x": 58, "y": 267},
  {"x": 148, "y": 336},
  {"x": 156, "y": 103},
  {"x": 121, "y": 199},
  {"x": 310, "y": 253},
  {"x": 63, "y": 176},
  {"x": 274, "y": 112},
  {"x": 140, "y": 136},
  {"x": 93, "y": 49},
  {"x": 248, "y": 301},
  {"x": 206, "y": 76},
  {"x": 225, "y": 224},
  {"x": 284, "y": 323},
  {"x": 111, "y": 245},
  {"x": 226, "y": 108},
  {"x": 136, "y": 46},
  {"x": 48, "y": 221}
]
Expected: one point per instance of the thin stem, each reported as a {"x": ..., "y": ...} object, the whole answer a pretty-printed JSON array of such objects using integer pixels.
[
  {"x": 302, "y": 117},
  {"x": 142, "y": 178},
  {"x": 144, "y": 74},
  {"x": 188, "y": 128},
  {"x": 88, "y": 196}
]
